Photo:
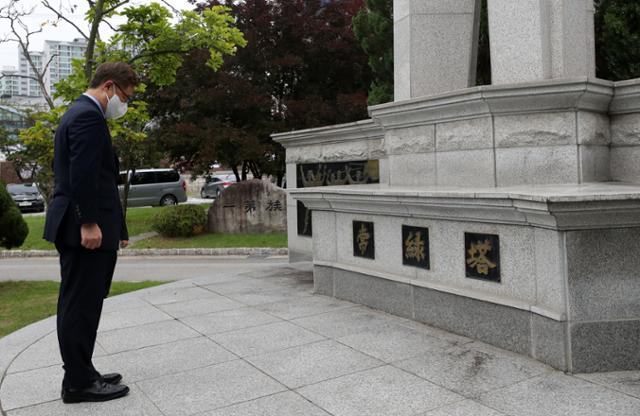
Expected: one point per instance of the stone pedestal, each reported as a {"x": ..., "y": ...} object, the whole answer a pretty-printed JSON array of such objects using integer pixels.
[
  {"x": 564, "y": 289},
  {"x": 495, "y": 215},
  {"x": 434, "y": 47},
  {"x": 523, "y": 170},
  {"x": 532, "y": 40}
]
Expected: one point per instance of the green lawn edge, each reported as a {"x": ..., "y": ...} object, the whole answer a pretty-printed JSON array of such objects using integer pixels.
[{"x": 25, "y": 302}]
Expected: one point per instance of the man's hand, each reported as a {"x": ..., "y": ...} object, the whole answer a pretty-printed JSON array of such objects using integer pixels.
[
  {"x": 91, "y": 236},
  {"x": 124, "y": 243}
]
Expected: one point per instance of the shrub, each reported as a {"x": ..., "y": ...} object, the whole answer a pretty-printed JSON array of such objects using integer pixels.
[
  {"x": 180, "y": 221},
  {"x": 13, "y": 228}
]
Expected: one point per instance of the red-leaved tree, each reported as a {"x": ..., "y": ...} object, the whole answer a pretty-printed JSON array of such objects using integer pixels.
[{"x": 302, "y": 68}]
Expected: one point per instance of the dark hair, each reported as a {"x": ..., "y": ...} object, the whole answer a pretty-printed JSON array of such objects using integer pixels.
[{"x": 119, "y": 72}]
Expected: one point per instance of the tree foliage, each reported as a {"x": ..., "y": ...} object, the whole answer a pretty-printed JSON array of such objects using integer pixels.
[
  {"x": 13, "y": 228},
  {"x": 302, "y": 67},
  {"x": 155, "y": 46},
  {"x": 618, "y": 39},
  {"x": 373, "y": 27}
]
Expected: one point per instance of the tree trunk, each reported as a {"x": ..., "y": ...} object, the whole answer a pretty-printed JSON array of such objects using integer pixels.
[
  {"x": 91, "y": 43},
  {"x": 244, "y": 170},
  {"x": 234, "y": 168},
  {"x": 255, "y": 169}
]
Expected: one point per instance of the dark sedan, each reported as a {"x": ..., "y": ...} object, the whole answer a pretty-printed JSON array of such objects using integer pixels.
[{"x": 27, "y": 197}]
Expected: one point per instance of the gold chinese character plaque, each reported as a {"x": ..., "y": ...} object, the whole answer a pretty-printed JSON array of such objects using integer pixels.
[
  {"x": 415, "y": 247},
  {"x": 482, "y": 256},
  {"x": 363, "y": 241}
]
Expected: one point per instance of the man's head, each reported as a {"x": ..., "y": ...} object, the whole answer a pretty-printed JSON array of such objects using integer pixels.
[{"x": 111, "y": 80}]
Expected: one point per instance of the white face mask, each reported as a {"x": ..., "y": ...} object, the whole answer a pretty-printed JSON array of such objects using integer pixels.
[{"x": 115, "y": 107}]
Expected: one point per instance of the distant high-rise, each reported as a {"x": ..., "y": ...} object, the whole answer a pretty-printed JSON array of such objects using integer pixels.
[
  {"x": 61, "y": 54},
  {"x": 29, "y": 87},
  {"x": 21, "y": 85},
  {"x": 9, "y": 82}
]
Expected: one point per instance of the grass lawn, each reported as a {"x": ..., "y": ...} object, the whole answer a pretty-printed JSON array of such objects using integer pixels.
[
  {"x": 138, "y": 222},
  {"x": 216, "y": 241},
  {"x": 22, "y": 303}
]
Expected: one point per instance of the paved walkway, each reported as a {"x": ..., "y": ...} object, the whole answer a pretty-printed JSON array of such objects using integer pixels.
[{"x": 259, "y": 343}]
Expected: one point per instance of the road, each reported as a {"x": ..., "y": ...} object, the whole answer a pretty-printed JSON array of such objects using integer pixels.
[{"x": 139, "y": 268}]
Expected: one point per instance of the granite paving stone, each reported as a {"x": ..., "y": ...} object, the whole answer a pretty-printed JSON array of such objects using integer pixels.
[
  {"x": 134, "y": 404},
  {"x": 199, "y": 306},
  {"x": 346, "y": 321},
  {"x": 170, "y": 358},
  {"x": 141, "y": 336},
  {"x": 559, "y": 395},
  {"x": 304, "y": 306},
  {"x": 306, "y": 355},
  {"x": 31, "y": 387},
  {"x": 473, "y": 369},
  {"x": 268, "y": 296},
  {"x": 179, "y": 294},
  {"x": 627, "y": 382},
  {"x": 123, "y": 302},
  {"x": 43, "y": 353},
  {"x": 241, "y": 285},
  {"x": 209, "y": 388},
  {"x": 381, "y": 391},
  {"x": 394, "y": 342},
  {"x": 464, "y": 408},
  {"x": 265, "y": 338},
  {"x": 228, "y": 320},
  {"x": 281, "y": 404},
  {"x": 131, "y": 317},
  {"x": 312, "y": 363}
]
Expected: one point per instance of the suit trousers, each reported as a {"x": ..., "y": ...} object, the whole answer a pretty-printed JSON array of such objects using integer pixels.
[{"x": 86, "y": 280}]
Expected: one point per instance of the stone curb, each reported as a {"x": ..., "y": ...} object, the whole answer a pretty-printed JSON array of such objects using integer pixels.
[{"x": 237, "y": 251}]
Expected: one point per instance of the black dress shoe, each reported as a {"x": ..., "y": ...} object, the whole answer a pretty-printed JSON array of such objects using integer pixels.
[
  {"x": 99, "y": 391},
  {"x": 111, "y": 378}
]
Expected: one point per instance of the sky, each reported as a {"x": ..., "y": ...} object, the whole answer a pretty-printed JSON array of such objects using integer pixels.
[{"x": 63, "y": 31}]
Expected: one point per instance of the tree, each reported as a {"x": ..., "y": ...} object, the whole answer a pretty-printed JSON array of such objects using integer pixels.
[
  {"x": 21, "y": 34},
  {"x": 373, "y": 27},
  {"x": 154, "y": 46},
  {"x": 13, "y": 228},
  {"x": 302, "y": 67}
]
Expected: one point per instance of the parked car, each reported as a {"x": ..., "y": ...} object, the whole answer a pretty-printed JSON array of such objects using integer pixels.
[
  {"x": 154, "y": 187},
  {"x": 216, "y": 184},
  {"x": 26, "y": 196}
]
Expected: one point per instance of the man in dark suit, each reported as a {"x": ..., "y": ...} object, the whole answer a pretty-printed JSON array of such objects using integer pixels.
[{"x": 85, "y": 221}]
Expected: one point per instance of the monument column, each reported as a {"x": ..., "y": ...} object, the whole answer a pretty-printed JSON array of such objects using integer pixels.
[
  {"x": 434, "y": 46},
  {"x": 533, "y": 40}
]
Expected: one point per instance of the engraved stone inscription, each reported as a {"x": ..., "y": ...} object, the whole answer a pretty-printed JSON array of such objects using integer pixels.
[
  {"x": 415, "y": 247},
  {"x": 338, "y": 173},
  {"x": 363, "y": 240},
  {"x": 331, "y": 174},
  {"x": 482, "y": 256}
]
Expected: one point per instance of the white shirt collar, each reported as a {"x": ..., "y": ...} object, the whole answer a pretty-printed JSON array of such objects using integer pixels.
[{"x": 95, "y": 101}]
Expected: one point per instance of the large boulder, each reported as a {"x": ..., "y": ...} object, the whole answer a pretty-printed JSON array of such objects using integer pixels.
[{"x": 249, "y": 207}]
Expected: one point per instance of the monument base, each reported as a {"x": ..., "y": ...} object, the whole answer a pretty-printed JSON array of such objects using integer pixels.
[{"x": 544, "y": 271}]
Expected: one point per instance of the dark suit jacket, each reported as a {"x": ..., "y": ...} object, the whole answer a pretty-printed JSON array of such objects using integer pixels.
[{"x": 86, "y": 172}]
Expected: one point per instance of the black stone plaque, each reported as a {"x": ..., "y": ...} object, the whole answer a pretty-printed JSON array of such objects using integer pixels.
[
  {"x": 482, "y": 256},
  {"x": 337, "y": 173},
  {"x": 304, "y": 220},
  {"x": 363, "y": 241},
  {"x": 415, "y": 246}
]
